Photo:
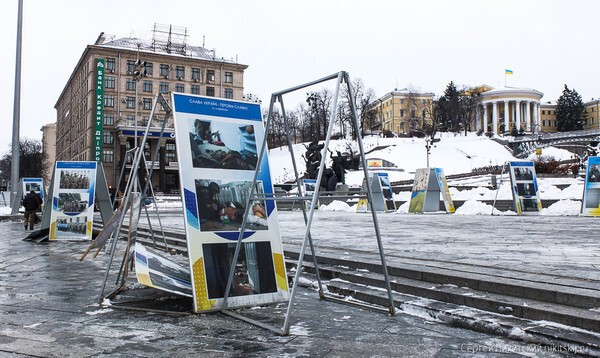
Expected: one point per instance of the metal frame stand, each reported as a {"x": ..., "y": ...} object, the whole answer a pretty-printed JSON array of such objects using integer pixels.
[
  {"x": 498, "y": 184},
  {"x": 111, "y": 231},
  {"x": 341, "y": 78}
]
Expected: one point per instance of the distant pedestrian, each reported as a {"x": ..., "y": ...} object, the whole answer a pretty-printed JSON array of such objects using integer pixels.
[{"x": 32, "y": 203}]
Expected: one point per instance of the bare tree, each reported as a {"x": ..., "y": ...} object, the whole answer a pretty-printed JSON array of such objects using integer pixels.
[
  {"x": 469, "y": 99},
  {"x": 31, "y": 161},
  {"x": 362, "y": 98}
]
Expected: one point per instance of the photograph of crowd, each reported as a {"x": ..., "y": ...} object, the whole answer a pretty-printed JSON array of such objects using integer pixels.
[
  {"x": 254, "y": 270},
  {"x": 523, "y": 173},
  {"x": 67, "y": 226},
  {"x": 71, "y": 203},
  {"x": 75, "y": 179},
  {"x": 221, "y": 206},
  {"x": 526, "y": 189},
  {"x": 222, "y": 145}
]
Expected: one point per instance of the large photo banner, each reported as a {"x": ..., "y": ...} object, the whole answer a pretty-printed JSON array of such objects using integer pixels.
[
  {"x": 217, "y": 141},
  {"x": 525, "y": 191},
  {"x": 72, "y": 202},
  {"x": 591, "y": 191}
]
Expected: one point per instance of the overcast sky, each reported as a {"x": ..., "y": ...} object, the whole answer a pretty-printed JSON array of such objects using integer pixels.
[{"x": 421, "y": 44}]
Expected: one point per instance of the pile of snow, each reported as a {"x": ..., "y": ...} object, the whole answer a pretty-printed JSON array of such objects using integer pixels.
[
  {"x": 337, "y": 205},
  {"x": 563, "y": 208},
  {"x": 474, "y": 207}
]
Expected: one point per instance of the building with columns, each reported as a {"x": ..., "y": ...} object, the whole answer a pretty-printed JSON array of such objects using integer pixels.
[
  {"x": 508, "y": 107},
  {"x": 168, "y": 64}
]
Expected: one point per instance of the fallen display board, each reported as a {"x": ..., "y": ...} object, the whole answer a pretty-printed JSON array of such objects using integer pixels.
[
  {"x": 428, "y": 185},
  {"x": 216, "y": 144},
  {"x": 591, "y": 191},
  {"x": 72, "y": 214},
  {"x": 524, "y": 186}
]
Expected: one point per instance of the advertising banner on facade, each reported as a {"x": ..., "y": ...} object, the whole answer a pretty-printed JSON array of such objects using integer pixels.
[
  {"x": 72, "y": 202},
  {"x": 35, "y": 184},
  {"x": 216, "y": 143},
  {"x": 591, "y": 191},
  {"x": 99, "y": 109},
  {"x": 524, "y": 187}
]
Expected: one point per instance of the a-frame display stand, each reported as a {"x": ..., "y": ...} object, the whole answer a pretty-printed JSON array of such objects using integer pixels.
[
  {"x": 340, "y": 78},
  {"x": 16, "y": 204},
  {"x": 102, "y": 198}
]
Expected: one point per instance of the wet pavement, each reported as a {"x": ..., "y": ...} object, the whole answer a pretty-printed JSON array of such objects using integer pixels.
[{"x": 49, "y": 299}]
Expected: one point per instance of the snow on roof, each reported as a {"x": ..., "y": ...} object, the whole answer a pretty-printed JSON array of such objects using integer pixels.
[{"x": 507, "y": 90}]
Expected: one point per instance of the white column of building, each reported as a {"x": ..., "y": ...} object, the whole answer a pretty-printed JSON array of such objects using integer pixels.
[
  {"x": 526, "y": 116},
  {"x": 506, "y": 115},
  {"x": 495, "y": 117},
  {"x": 485, "y": 118},
  {"x": 518, "y": 116},
  {"x": 537, "y": 115}
]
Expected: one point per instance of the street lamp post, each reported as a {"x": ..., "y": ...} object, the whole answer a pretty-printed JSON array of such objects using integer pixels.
[
  {"x": 14, "y": 176},
  {"x": 428, "y": 148}
]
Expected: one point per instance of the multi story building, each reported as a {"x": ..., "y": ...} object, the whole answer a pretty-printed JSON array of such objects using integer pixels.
[
  {"x": 106, "y": 104},
  {"x": 403, "y": 111}
]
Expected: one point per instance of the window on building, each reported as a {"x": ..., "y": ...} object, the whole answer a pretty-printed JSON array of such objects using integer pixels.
[
  {"x": 170, "y": 157},
  {"x": 228, "y": 77},
  {"x": 195, "y": 89},
  {"x": 423, "y": 101},
  {"x": 401, "y": 101},
  {"x": 402, "y": 125},
  {"x": 423, "y": 114},
  {"x": 164, "y": 87},
  {"x": 108, "y": 155},
  {"x": 130, "y": 84},
  {"x": 109, "y": 100},
  {"x": 210, "y": 76},
  {"x": 164, "y": 70},
  {"x": 170, "y": 146},
  {"x": 109, "y": 119},
  {"x": 109, "y": 137},
  {"x": 147, "y": 86},
  {"x": 149, "y": 68},
  {"x": 180, "y": 72},
  {"x": 195, "y": 74},
  {"x": 130, "y": 120},
  {"x": 130, "y": 66},
  {"x": 229, "y": 93},
  {"x": 412, "y": 113},
  {"x": 109, "y": 82},
  {"x": 210, "y": 91},
  {"x": 110, "y": 64},
  {"x": 147, "y": 102},
  {"x": 179, "y": 87},
  {"x": 543, "y": 112},
  {"x": 130, "y": 102},
  {"x": 401, "y": 113}
]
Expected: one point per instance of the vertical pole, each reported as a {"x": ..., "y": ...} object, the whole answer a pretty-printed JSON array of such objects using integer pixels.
[
  {"x": 391, "y": 308},
  {"x": 14, "y": 179}
]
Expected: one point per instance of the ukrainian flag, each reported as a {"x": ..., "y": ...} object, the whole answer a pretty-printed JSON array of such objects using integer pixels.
[{"x": 508, "y": 72}]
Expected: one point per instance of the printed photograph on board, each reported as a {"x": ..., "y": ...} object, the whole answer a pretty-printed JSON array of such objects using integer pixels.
[
  {"x": 224, "y": 145},
  {"x": 32, "y": 186},
  {"x": 529, "y": 204},
  {"x": 71, "y": 226},
  {"x": 592, "y": 199},
  {"x": 221, "y": 205},
  {"x": 594, "y": 174},
  {"x": 526, "y": 189},
  {"x": 72, "y": 203},
  {"x": 523, "y": 173},
  {"x": 75, "y": 179},
  {"x": 254, "y": 271}
]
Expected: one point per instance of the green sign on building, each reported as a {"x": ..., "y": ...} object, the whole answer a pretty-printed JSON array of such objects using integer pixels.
[{"x": 99, "y": 109}]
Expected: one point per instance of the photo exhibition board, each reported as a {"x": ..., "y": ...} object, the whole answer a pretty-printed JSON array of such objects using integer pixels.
[
  {"x": 591, "y": 191},
  {"x": 154, "y": 270},
  {"x": 309, "y": 187},
  {"x": 35, "y": 184},
  {"x": 525, "y": 190},
  {"x": 217, "y": 143},
  {"x": 72, "y": 214},
  {"x": 383, "y": 198},
  {"x": 444, "y": 190}
]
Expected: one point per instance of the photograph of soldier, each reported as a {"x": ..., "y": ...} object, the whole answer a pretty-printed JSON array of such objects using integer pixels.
[
  {"x": 68, "y": 226},
  {"x": 74, "y": 179},
  {"x": 523, "y": 173},
  {"x": 529, "y": 204},
  {"x": 594, "y": 176},
  {"x": 525, "y": 189},
  {"x": 71, "y": 203},
  {"x": 222, "y": 145},
  {"x": 254, "y": 271},
  {"x": 221, "y": 206}
]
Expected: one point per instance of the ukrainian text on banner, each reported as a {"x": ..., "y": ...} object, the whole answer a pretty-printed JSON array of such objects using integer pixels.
[
  {"x": 591, "y": 191},
  {"x": 73, "y": 201},
  {"x": 524, "y": 187},
  {"x": 217, "y": 147}
]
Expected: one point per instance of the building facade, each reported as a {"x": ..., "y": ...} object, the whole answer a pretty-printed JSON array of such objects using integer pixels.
[
  {"x": 403, "y": 111},
  {"x": 107, "y": 101},
  {"x": 509, "y": 107}
]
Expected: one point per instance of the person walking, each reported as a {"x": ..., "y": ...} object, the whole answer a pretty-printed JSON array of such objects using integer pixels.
[{"x": 31, "y": 203}]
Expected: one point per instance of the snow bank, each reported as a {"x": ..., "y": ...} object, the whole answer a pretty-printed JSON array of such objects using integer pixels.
[
  {"x": 474, "y": 207},
  {"x": 337, "y": 205},
  {"x": 563, "y": 208}
]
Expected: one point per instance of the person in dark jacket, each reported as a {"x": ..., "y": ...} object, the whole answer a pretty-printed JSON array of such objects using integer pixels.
[{"x": 31, "y": 203}]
